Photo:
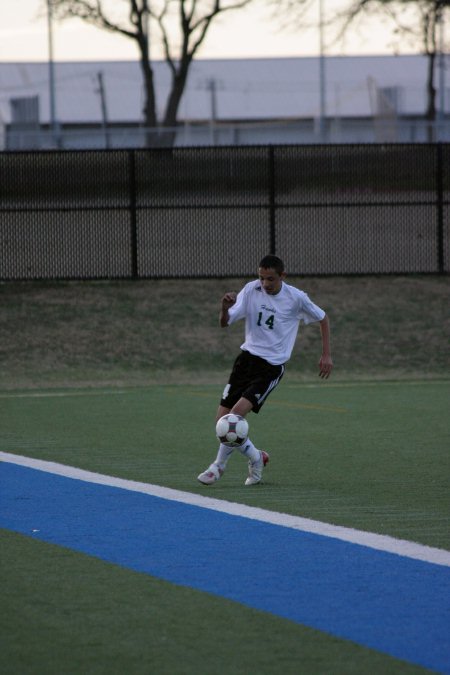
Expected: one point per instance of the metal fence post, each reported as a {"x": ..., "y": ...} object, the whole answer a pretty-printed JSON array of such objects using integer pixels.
[
  {"x": 133, "y": 214},
  {"x": 272, "y": 204},
  {"x": 440, "y": 207}
]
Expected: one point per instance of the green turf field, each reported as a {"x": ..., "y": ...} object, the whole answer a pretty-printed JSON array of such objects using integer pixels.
[
  {"x": 67, "y": 613},
  {"x": 373, "y": 456},
  {"x": 366, "y": 455},
  {"x": 84, "y": 382}
]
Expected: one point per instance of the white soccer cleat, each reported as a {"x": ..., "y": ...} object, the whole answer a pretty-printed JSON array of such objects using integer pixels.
[
  {"x": 255, "y": 470},
  {"x": 211, "y": 474}
]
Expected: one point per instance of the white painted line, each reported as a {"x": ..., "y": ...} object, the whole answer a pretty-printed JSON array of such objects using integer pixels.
[
  {"x": 380, "y": 542},
  {"x": 65, "y": 394},
  {"x": 112, "y": 391}
]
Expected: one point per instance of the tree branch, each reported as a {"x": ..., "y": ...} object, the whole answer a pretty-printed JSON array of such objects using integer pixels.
[{"x": 90, "y": 12}]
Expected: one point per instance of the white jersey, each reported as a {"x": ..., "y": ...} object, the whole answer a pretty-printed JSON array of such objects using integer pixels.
[{"x": 272, "y": 321}]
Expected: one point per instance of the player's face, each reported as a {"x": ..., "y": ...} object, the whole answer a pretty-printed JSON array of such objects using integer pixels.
[{"x": 270, "y": 280}]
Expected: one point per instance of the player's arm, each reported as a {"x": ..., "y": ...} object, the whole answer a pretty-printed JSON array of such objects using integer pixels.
[
  {"x": 326, "y": 362},
  {"x": 228, "y": 301}
]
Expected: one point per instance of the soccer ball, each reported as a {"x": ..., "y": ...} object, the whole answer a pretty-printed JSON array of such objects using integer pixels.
[{"x": 232, "y": 430}]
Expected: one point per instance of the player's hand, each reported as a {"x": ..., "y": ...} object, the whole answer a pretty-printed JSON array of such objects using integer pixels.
[
  {"x": 325, "y": 367},
  {"x": 229, "y": 300}
]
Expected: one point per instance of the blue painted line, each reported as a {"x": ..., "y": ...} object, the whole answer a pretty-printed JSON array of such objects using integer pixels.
[{"x": 392, "y": 604}]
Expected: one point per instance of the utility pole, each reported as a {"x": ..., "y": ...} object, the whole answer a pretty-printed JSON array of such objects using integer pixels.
[
  {"x": 101, "y": 91},
  {"x": 322, "y": 84},
  {"x": 51, "y": 76},
  {"x": 211, "y": 85},
  {"x": 441, "y": 108}
]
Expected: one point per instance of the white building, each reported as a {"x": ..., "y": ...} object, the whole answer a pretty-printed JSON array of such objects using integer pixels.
[{"x": 98, "y": 104}]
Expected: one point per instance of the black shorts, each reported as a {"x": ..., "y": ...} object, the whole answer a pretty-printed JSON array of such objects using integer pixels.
[{"x": 253, "y": 378}]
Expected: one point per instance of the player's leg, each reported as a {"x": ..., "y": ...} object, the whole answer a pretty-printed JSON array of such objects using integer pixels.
[
  {"x": 242, "y": 408},
  {"x": 230, "y": 397},
  {"x": 265, "y": 378},
  {"x": 250, "y": 382},
  {"x": 257, "y": 459},
  {"x": 215, "y": 470}
]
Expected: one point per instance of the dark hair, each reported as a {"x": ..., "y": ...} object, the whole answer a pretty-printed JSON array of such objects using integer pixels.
[{"x": 272, "y": 262}]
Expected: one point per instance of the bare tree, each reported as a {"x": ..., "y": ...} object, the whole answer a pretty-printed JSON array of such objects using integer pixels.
[
  {"x": 421, "y": 25},
  {"x": 182, "y": 26},
  {"x": 418, "y": 20}
]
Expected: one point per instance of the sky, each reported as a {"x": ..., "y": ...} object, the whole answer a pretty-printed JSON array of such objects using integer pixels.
[{"x": 246, "y": 33}]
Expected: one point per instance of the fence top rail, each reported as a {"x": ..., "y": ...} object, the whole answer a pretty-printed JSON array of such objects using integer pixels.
[
  {"x": 137, "y": 213},
  {"x": 223, "y": 148}
]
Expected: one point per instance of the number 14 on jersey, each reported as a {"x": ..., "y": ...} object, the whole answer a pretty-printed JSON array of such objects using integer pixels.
[{"x": 268, "y": 322}]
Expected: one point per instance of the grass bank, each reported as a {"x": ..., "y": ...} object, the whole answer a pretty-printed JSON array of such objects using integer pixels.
[{"x": 131, "y": 333}]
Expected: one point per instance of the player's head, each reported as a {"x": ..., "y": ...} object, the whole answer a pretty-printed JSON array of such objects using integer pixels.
[
  {"x": 272, "y": 262},
  {"x": 271, "y": 274}
]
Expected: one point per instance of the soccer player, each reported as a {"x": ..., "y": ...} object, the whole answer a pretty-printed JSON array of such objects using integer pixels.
[{"x": 272, "y": 310}]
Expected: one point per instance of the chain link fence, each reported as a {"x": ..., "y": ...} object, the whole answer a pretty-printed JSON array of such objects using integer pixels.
[{"x": 215, "y": 211}]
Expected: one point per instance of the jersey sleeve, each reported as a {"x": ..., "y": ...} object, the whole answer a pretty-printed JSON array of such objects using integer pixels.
[
  {"x": 309, "y": 312},
  {"x": 238, "y": 310}
]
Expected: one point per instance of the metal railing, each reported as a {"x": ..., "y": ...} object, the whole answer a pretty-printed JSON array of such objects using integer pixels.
[
  {"x": 212, "y": 211},
  {"x": 334, "y": 131}
]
